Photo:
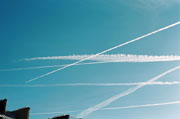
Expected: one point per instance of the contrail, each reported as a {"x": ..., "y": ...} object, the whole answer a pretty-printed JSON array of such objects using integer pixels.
[
  {"x": 127, "y": 92},
  {"x": 146, "y": 105},
  {"x": 52, "y": 66},
  {"x": 113, "y": 57},
  {"x": 110, "y": 108},
  {"x": 96, "y": 84},
  {"x": 120, "y": 45}
]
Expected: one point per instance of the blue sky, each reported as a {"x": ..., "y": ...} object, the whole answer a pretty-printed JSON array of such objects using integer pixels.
[{"x": 59, "y": 28}]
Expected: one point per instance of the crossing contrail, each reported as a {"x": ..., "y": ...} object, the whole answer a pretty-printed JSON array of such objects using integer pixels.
[
  {"x": 113, "y": 57},
  {"x": 120, "y": 45},
  {"x": 125, "y": 93},
  {"x": 111, "y": 108},
  {"x": 96, "y": 84}
]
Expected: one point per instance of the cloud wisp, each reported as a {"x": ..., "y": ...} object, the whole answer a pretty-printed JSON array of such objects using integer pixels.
[
  {"x": 96, "y": 84},
  {"x": 110, "y": 108},
  {"x": 110, "y": 49},
  {"x": 125, "y": 93},
  {"x": 48, "y": 113},
  {"x": 157, "y": 3}
]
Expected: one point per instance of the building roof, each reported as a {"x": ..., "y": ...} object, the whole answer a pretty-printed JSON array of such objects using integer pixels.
[
  {"x": 62, "y": 117},
  {"x": 22, "y": 113}
]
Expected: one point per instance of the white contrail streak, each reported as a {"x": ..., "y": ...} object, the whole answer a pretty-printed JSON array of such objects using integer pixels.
[
  {"x": 52, "y": 66},
  {"x": 146, "y": 105},
  {"x": 111, "y": 108},
  {"x": 127, "y": 92},
  {"x": 120, "y": 45},
  {"x": 113, "y": 57},
  {"x": 96, "y": 84}
]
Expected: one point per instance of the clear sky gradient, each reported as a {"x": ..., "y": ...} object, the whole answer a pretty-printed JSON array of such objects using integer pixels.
[{"x": 39, "y": 28}]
